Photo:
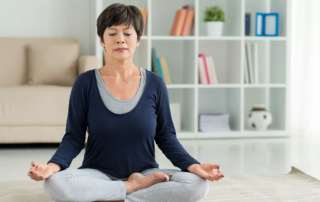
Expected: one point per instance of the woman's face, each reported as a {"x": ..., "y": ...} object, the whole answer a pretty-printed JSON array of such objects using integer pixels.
[{"x": 120, "y": 36}]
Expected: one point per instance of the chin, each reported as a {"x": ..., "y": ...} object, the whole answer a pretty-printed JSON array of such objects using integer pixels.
[{"x": 123, "y": 57}]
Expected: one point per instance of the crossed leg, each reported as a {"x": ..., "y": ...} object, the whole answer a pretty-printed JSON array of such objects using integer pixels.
[
  {"x": 182, "y": 187},
  {"x": 91, "y": 184},
  {"x": 83, "y": 185}
]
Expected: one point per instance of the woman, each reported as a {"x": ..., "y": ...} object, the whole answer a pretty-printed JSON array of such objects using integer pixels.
[{"x": 125, "y": 109}]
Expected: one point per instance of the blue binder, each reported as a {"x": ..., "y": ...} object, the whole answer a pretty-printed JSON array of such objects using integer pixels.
[
  {"x": 276, "y": 15},
  {"x": 261, "y": 24}
]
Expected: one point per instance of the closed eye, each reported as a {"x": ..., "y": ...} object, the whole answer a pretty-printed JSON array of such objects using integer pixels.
[{"x": 114, "y": 34}]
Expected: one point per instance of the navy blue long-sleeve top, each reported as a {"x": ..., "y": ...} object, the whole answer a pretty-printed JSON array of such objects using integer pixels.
[{"x": 120, "y": 144}]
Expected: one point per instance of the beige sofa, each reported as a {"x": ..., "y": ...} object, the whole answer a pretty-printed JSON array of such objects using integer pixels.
[{"x": 35, "y": 113}]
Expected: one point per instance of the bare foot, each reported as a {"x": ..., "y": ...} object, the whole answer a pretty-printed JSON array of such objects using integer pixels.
[{"x": 137, "y": 181}]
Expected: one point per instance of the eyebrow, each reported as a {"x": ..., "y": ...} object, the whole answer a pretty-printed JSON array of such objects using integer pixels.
[{"x": 124, "y": 28}]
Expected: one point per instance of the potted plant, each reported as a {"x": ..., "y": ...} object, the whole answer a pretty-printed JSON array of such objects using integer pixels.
[{"x": 214, "y": 18}]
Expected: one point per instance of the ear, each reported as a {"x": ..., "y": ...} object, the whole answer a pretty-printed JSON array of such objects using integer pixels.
[
  {"x": 139, "y": 42},
  {"x": 101, "y": 43}
]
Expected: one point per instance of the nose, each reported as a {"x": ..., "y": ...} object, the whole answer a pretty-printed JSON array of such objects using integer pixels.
[{"x": 120, "y": 40}]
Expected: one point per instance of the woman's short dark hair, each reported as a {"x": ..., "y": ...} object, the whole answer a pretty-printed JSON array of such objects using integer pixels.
[{"x": 116, "y": 14}]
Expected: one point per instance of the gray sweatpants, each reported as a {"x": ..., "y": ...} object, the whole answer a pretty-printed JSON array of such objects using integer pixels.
[{"x": 93, "y": 185}]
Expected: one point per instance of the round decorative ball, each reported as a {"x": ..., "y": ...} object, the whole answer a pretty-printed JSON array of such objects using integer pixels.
[{"x": 259, "y": 118}]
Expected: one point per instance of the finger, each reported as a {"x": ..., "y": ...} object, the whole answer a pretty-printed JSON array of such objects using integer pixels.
[
  {"x": 35, "y": 165},
  {"x": 45, "y": 174},
  {"x": 219, "y": 170},
  {"x": 214, "y": 177},
  {"x": 214, "y": 166},
  {"x": 203, "y": 174},
  {"x": 221, "y": 176},
  {"x": 39, "y": 176},
  {"x": 36, "y": 176},
  {"x": 212, "y": 173},
  {"x": 30, "y": 174}
]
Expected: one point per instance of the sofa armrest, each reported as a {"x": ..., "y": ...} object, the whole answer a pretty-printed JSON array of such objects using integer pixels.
[{"x": 88, "y": 62}]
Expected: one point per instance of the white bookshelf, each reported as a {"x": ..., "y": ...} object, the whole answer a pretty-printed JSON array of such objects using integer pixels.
[{"x": 230, "y": 95}]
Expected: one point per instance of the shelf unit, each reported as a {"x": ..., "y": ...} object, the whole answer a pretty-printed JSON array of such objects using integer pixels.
[{"x": 230, "y": 95}]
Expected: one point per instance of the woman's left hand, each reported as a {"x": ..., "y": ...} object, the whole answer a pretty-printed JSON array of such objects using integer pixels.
[{"x": 206, "y": 171}]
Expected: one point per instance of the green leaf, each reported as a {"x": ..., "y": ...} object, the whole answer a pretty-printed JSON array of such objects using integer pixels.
[{"x": 214, "y": 13}]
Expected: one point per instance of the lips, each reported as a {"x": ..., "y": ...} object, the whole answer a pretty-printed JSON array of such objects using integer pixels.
[{"x": 121, "y": 49}]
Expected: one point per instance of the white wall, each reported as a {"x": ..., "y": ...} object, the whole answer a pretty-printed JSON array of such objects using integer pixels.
[{"x": 50, "y": 19}]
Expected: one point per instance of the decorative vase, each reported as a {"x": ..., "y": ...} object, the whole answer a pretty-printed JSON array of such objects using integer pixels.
[
  {"x": 214, "y": 28},
  {"x": 259, "y": 118}
]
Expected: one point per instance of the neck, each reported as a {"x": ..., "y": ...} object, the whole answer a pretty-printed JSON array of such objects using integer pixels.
[{"x": 118, "y": 69}]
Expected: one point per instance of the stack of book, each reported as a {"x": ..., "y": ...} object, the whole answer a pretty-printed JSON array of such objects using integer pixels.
[
  {"x": 206, "y": 70},
  {"x": 251, "y": 63},
  {"x": 182, "y": 22},
  {"x": 160, "y": 66},
  {"x": 144, "y": 12},
  {"x": 213, "y": 122}
]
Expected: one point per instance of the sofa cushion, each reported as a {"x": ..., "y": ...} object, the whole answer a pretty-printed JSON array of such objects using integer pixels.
[
  {"x": 13, "y": 57},
  {"x": 36, "y": 105},
  {"x": 13, "y": 69},
  {"x": 53, "y": 64}
]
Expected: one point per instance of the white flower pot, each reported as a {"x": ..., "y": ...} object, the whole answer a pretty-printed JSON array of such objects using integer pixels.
[{"x": 214, "y": 28}]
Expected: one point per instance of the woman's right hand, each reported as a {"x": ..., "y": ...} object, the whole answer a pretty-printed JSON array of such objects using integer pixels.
[{"x": 40, "y": 171}]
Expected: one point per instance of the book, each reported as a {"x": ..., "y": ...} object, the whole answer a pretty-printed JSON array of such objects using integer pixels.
[
  {"x": 205, "y": 67},
  {"x": 249, "y": 63},
  {"x": 246, "y": 76},
  {"x": 154, "y": 66},
  {"x": 183, "y": 21},
  {"x": 255, "y": 45},
  {"x": 144, "y": 12},
  {"x": 213, "y": 122},
  {"x": 165, "y": 70},
  {"x": 188, "y": 21},
  {"x": 160, "y": 68},
  {"x": 201, "y": 71},
  {"x": 206, "y": 77},
  {"x": 168, "y": 70},
  {"x": 247, "y": 24},
  {"x": 212, "y": 71},
  {"x": 178, "y": 22}
]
